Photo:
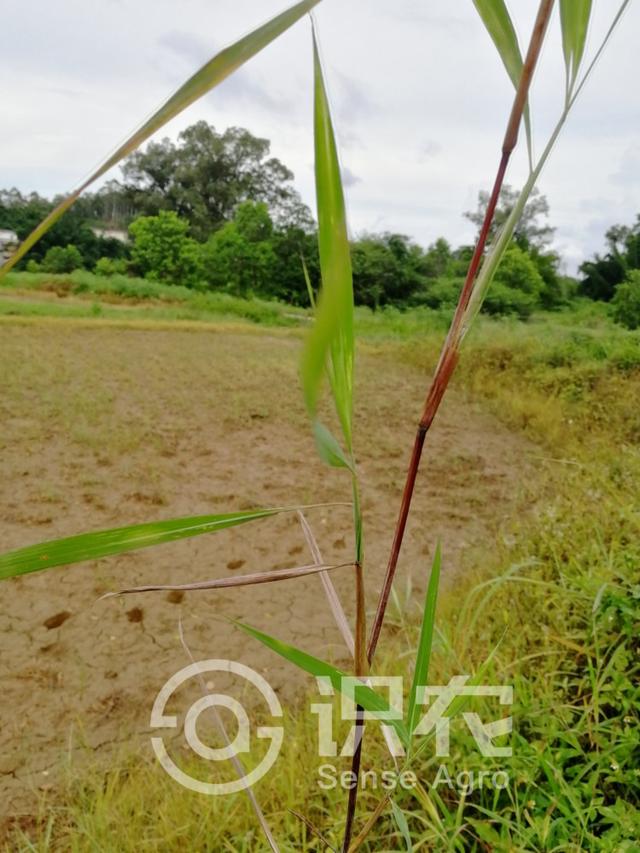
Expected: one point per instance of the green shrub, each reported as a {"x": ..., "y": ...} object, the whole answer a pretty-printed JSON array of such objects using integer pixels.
[
  {"x": 502, "y": 299},
  {"x": 32, "y": 266},
  {"x": 110, "y": 266},
  {"x": 61, "y": 259},
  {"x": 162, "y": 251},
  {"x": 626, "y": 302},
  {"x": 518, "y": 271},
  {"x": 439, "y": 293},
  {"x": 239, "y": 257}
]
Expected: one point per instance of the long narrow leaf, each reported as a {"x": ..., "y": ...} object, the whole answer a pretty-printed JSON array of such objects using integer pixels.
[
  {"x": 331, "y": 339},
  {"x": 496, "y": 18},
  {"x": 229, "y": 583},
  {"x": 401, "y": 823},
  {"x": 574, "y": 21},
  {"x": 211, "y": 74},
  {"x": 91, "y": 546},
  {"x": 365, "y": 696},
  {"x": 423, "y": 658}
]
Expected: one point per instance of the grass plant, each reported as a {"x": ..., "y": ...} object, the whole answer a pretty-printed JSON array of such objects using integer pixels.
[{"x": 569, "y": 814}]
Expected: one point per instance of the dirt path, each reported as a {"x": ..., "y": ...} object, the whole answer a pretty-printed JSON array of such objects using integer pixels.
[{"x": 103, "y": 427}]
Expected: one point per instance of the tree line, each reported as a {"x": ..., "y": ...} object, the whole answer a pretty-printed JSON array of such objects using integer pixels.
[{"x": 215, "y": 210}]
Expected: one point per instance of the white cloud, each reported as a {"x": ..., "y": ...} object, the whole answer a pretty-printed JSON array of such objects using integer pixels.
[{"x": 349, "y": 179}]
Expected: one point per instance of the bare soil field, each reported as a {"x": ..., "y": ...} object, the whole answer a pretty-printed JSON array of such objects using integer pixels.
[{"x": 105, "y": 426}]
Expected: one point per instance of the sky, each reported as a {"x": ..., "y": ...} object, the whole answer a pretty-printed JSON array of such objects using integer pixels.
[{"x": 419, "y": 95}]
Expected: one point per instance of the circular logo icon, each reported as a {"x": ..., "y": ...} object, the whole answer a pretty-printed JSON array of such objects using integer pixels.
[{"x": 241, "y": 743}]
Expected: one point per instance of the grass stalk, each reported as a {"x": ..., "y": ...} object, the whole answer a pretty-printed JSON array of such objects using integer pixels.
[
  {"x": 469, "y": 304},
  {"x": 356, "y": 761},
  {"x": 450, "y": 351},
  {"x": 496, "y": 251},
  {"x": 361, "y": 664},
  {"x": 444, "y": 371},
  {"x": 334, "y": 343},
  {"x": 360, "y": 656}
]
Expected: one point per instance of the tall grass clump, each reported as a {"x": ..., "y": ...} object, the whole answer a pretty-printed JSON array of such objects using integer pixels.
[{"x": 328, "y": 365}]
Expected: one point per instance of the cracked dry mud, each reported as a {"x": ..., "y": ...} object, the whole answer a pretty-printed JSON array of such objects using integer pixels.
[{"x": 107, "y": 426}]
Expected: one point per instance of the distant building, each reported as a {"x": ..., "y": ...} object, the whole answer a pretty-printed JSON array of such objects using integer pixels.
[
  {"x": 8, "y": 242},
  {"x": 7, "y": 237},
  {"x": 111, "y": 234}
]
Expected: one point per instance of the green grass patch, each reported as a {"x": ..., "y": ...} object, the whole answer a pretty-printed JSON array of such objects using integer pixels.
[{"x": 142, "y": 299}]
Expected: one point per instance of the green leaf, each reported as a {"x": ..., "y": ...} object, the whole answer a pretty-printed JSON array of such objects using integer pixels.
[
  {"x": 574, "y": 21},
  {"x": 330, "y": 343},
  {"x": 403, "y": 826},
  {"x": 496, "y": 18},
  {"x": 487, "y": 833},
  {"x": 91, "y": 546},
  {"x": 211, "y": 74},
  {"x": 458, "y": 705},
  {"x": 329, "y": 448},
  {"x": 365, "y": 696},
  {"x": 307, "y": 281},
  {"x": 423, "y": 658}
]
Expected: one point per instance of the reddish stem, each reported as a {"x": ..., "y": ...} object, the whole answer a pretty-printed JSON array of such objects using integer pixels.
[
  {"x": 449, "y": 354},
  {"x": 444, "y": 371},
  {"x": 355, "y": 774}
]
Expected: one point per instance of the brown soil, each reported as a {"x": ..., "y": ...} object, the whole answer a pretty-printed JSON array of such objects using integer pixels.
[{"x": 108, "y": 426}]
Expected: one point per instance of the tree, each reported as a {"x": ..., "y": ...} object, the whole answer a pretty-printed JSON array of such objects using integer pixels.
[
  {"x": 518, "y": 271},
  {"x": 529, "y": 232},
  {"x": 290, "y": 246},
  {"x": 386, "y": 269},
  {"x": 239, "y": 257},
  {"x": 531, "y": 235},
  {"x": 437, "y": 259},
  {"x": 603, "y": 274},
  {"x": 554, "y": 290},
  {"x": 22, "y": 213},
  {"x": 162, "y": 251},
  {"x": 626, "y": 301},
  {"x": 110, "y": 206},
  {"x": 460, "y": 260},
  {"x": 616, "y": 238},
  {"x": 253, "y": 222},
  {"x": 206, "y": 175},
  {"x": 632, "y": 246}
]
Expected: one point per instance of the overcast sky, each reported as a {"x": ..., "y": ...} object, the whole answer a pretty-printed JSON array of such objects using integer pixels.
[{"x": 419, "y": 94}]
